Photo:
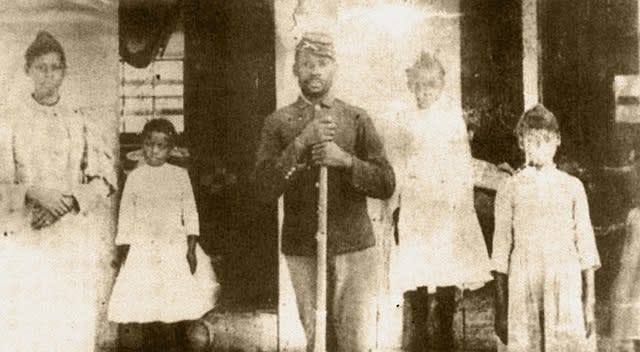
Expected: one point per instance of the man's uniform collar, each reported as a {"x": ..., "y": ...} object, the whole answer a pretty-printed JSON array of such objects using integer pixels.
[{"x": 327, "y": 102}]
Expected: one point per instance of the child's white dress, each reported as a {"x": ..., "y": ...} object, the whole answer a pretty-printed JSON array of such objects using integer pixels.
[
  {"x": 157, "y": 212},
  {"x": 543, "y": 240},
  {"x": 440, "y": 242}
]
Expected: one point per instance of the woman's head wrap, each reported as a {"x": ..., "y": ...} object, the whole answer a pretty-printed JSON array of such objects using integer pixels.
[{"x": 43, "y": 44}]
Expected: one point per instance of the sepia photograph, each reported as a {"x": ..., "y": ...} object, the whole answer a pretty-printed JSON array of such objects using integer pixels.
[{"x": 319, "y": 175}]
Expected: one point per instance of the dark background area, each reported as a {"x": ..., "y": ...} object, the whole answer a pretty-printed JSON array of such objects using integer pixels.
[
  {"x": 491, "y": 59},
  {"x": 585, "y": 44},
  {"x": 229, "y": 88}
]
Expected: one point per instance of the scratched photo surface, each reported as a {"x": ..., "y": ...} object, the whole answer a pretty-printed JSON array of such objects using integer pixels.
[{"x": 160, "y": 184}]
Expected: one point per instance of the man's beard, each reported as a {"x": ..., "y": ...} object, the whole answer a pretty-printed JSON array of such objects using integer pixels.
[{"x": 314, "y": 93}]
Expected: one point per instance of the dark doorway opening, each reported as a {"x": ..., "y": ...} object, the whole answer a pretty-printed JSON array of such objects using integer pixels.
[
  {"x": 492, "y": 91},
  {"x": 229, "y": 88},
  {"x": 585, "y": 44},
  {"x": 491, "y": 59}
]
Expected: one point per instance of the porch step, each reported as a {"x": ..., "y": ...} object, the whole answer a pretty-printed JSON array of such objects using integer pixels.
[{"x": 244, "y": 331}]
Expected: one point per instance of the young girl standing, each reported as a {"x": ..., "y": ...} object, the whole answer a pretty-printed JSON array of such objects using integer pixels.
[
  {"x": 544, "y": 249},
  {"x": 440, "y": 247},
  {"x": 161, "y": 280}
]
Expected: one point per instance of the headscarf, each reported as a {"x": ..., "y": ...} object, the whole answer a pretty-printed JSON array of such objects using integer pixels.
[{"x": 43, "y": 44}]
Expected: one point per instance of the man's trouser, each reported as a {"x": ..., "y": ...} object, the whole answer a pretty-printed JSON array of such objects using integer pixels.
[{"x": 351, "y": 299}]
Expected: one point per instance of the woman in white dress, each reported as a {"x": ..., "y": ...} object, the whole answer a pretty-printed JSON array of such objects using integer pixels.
[
  {"x": 440, "y": 243},
  {"x": 51, "y": 179},
  {"x": 166, "y": 277}
]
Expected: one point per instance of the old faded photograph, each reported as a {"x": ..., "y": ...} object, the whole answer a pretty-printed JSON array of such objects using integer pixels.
[{"x": 320, "y": 176}]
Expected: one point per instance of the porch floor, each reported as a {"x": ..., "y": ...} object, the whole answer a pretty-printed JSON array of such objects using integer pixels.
[{"x": 256, "y": 331}]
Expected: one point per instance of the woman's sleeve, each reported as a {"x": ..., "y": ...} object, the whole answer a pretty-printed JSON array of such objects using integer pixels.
[
  {"x": 487, "y": 175},
  {"x": 99, "y": 178},
  {"x": 585, "y": 238},
  {"x": 190, "y": 219},
  {"x": 12, "y": 192},
  {"x": 127, "y": 214},
  {"x": 503, "y": 232}
]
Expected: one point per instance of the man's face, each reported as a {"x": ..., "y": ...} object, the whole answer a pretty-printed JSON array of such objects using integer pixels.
[{"x": 315, "y": 74}]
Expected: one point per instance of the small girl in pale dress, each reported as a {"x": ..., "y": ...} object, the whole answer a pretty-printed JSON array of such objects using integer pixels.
[
  {"x": 544, "y": 250},
  {"x": 440, "y": 246},
  {"x": 167, "y": 277}
]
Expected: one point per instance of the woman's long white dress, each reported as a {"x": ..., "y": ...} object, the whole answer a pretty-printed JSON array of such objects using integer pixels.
[
  {"x": 157, "y": 212},
  {"x": 48, "y": 277}
]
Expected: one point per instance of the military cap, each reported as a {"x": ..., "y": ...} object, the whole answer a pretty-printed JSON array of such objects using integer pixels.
[{"x": 317, "y": 43}]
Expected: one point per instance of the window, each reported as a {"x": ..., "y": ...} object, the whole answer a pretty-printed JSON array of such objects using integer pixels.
[{"x": 152, "y": 92}]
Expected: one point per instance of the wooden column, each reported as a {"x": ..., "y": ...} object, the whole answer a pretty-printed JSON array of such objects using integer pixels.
[{"x": 532, "y": 53}]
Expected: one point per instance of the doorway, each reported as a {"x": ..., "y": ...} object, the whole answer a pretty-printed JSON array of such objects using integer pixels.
[
  {"x": 229, "y": 88},
  {"x": 585, "y": 44}
]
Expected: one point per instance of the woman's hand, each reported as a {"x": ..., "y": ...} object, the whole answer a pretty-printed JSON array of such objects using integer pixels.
[
  {"x": 42, "y": 218},
  {"x": 192, "y": 260},
  {"x": 51, "y": 200}
]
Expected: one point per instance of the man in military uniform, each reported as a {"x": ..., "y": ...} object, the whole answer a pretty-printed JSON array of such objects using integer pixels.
[{"x": 320, "y": 130}]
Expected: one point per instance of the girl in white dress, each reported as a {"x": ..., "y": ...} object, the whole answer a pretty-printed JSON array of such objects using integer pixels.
[
  {"x": 166, "y": 277},
  {"x": 440, "y": 243},
  {"x": 544, "y": 250}
]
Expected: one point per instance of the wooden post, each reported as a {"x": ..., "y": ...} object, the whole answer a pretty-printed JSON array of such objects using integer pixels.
[
  {"x": 321, "y": 275},
  {"x": 531, "y": 55}
]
